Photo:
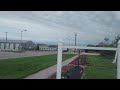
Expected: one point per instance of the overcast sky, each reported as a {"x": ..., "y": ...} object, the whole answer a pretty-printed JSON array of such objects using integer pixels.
[{"x": 54, "y": 26}]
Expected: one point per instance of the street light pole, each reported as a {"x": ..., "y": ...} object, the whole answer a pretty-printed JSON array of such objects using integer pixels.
[
  {"x": 21, "y": 39},
  {"x": 75, "y": 38}
]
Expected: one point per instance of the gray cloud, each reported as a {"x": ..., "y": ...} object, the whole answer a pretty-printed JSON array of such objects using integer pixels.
[{"x": 51, "y": 26}]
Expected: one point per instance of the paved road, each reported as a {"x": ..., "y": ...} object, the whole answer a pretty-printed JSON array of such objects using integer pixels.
[{"x": 5, "y": 55}]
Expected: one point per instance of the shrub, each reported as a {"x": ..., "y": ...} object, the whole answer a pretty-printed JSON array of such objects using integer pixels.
[{"x": 107, "y": 53}]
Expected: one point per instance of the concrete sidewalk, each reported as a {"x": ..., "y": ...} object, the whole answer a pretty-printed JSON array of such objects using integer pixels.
[{"x": 44, "y": 74}]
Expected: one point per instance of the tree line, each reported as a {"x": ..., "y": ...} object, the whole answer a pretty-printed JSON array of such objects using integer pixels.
[{"x": 106, "y": 43}]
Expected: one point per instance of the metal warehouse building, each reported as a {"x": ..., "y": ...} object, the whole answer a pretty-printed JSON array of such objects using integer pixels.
[
  {"x": 17, "y": 45},
  {"x": 43, "y": 47}
]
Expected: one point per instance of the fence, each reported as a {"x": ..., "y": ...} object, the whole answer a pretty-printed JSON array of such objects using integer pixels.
[{"x": 61, "y": 47}]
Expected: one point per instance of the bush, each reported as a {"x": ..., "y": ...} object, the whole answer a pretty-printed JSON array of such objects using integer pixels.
[{"x": 107, "y": 53}]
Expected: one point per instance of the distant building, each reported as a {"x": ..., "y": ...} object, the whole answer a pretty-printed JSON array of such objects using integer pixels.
[
  {"x": 53, "y": 47},
  {"x": 44, "y": 47},
  {"x": 17, "y": 45}
]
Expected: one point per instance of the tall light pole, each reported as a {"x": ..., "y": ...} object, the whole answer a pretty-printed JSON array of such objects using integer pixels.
[
  {"x": 6, "y": 40},
  {"x": 21, "y": 34},
  {"x": 75, "y": 38},
  {"x": 21, "y": 38}
]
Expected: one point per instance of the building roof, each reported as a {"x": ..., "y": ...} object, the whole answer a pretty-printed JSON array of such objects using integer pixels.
[
  {"x": 15, "y": 41},
  {"x": 53, "y": 45},
  {"x": 42, "y": 44}
]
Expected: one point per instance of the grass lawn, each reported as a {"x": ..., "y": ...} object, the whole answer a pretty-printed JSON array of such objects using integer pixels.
[
  {"x": 21, "y": 67},
  {"x": 100, "y": 67}
]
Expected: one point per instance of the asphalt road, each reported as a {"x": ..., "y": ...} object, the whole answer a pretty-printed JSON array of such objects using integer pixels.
[{"x": 6, "y": 55}]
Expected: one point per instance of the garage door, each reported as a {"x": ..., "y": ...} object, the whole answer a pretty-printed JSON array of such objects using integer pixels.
[
  {"x": 2, "y": 45},
  {"x": 16, "y": 46},
  {"x": 7, "y": 46},
  {"x": 11, "y": 46}
]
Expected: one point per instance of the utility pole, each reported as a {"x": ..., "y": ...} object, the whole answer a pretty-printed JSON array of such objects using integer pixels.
[
  {"x": 75, "y": 38},
  {"x": 6, "y": 40},
  {"x": 21, "y": 35}
]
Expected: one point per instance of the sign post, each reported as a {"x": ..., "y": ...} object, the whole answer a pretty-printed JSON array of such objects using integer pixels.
[
  {"x": 118, "y": 61},
  {"x": 59, "y": 61}
]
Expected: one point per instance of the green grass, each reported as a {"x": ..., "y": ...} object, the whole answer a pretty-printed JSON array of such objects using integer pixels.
[
  {"x": 18, "y": 68},
  {"x": 100, "y": 67}
]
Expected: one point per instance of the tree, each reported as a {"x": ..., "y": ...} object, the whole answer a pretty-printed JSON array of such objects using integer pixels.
[
  {"x": 101, "y": 44},
  {"x": 90, "y": 45},
  {"x": 106, "y": 40},
  {"x": 117, "y": 38}
]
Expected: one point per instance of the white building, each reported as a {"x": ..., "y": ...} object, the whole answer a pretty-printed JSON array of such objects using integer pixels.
[
  {"x": 16, "y": 45},
  {"x": 44, "y": 47}
]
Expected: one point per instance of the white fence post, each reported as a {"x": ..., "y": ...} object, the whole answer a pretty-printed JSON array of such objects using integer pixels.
[
  {"x": 59, "y": 61},
  {"x": 116, "y": 55},
  {"x": 118, "y": 61}
]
